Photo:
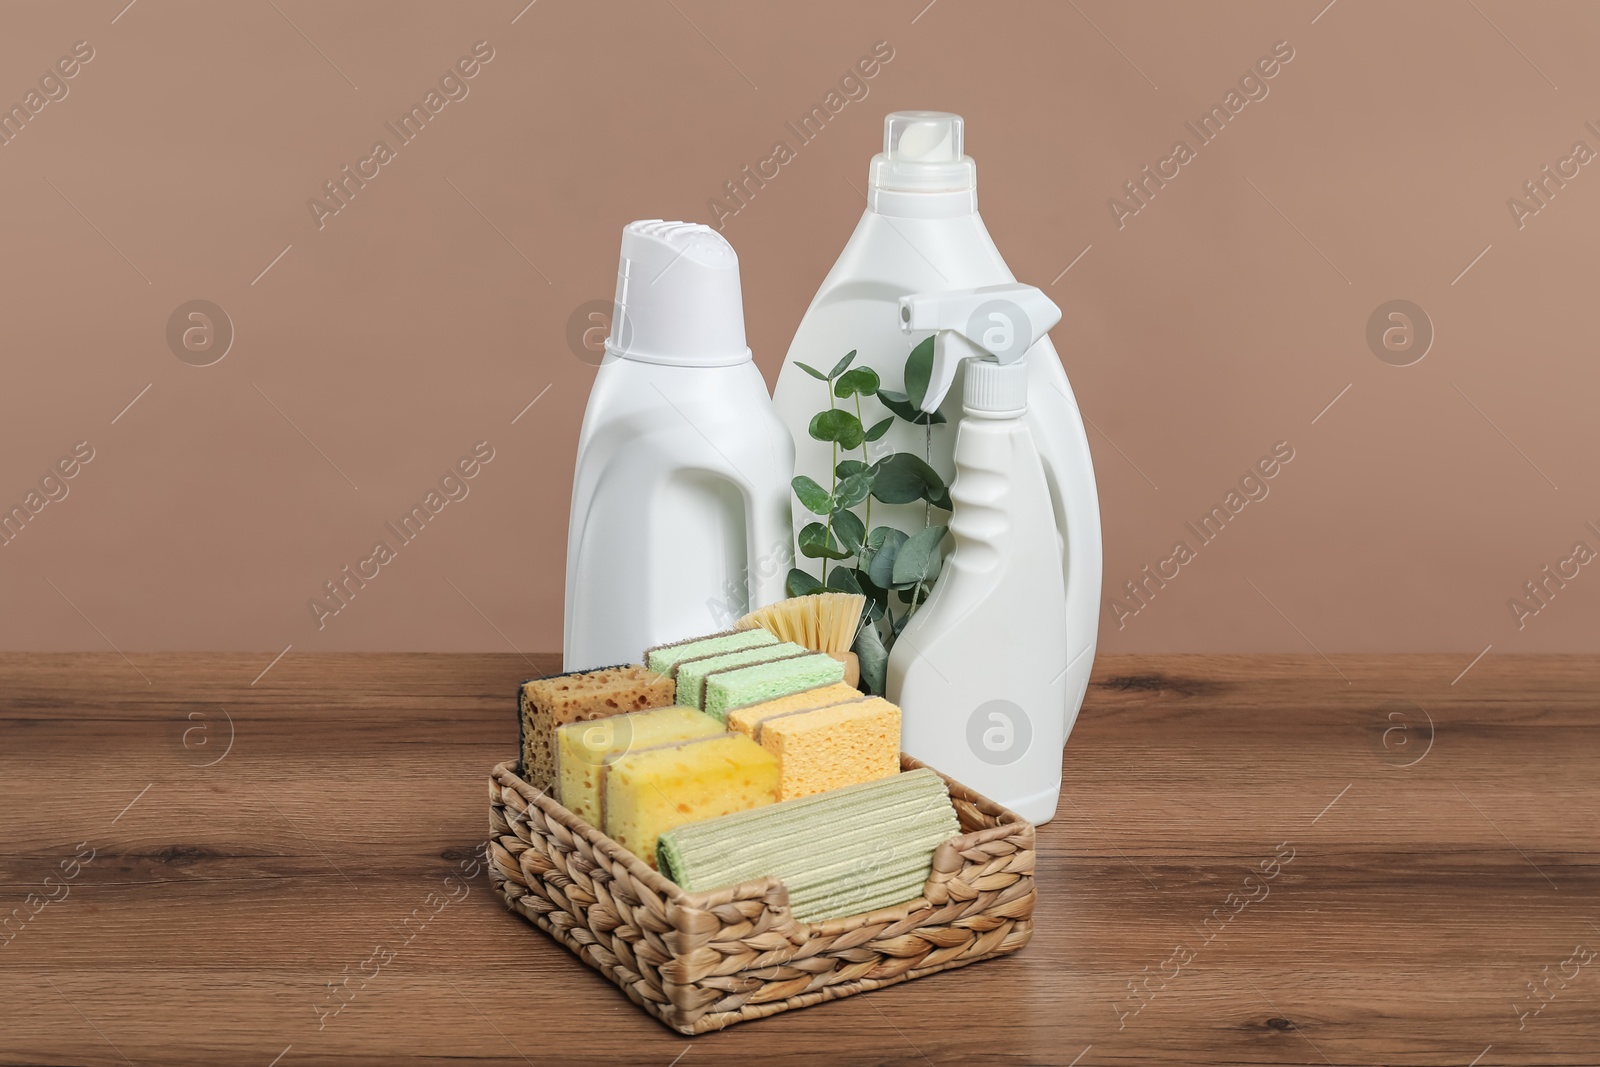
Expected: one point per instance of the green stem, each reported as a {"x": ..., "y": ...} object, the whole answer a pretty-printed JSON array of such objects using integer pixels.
[
  {"x": 833, "y": 487},
  {"x": 917, "y": 600},
  {"x": 920, "y": 592},
  {"x": 827, "y": 530},
  {"x": 865, "y": 460}
]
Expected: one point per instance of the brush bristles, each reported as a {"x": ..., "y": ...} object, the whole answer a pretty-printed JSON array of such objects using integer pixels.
[{"x": 822, "y": 622}]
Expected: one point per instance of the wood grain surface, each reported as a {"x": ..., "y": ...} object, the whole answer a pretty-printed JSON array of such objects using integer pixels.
[{"x": 255, "y": 839}]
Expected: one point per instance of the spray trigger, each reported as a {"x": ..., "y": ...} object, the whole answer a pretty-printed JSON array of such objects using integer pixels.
[{"x": 996, "y": 322}]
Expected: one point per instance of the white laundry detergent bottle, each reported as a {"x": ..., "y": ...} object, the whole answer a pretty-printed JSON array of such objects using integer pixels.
[
  {"x": 680, "y": 500},
  {"x": 921, "y": 233},
  {"x": 980, "y": 669}
]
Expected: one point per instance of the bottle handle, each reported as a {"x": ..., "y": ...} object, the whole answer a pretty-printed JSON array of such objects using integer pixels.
[
  {"x": 1075, "y": 500},
  {"x": 769, "y": 541}
]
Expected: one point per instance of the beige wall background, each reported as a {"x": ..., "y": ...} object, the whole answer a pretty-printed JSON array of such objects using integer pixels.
[{"x": 373, "y": 348}]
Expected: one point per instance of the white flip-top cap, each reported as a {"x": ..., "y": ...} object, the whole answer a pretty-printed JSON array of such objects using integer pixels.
[
  {"x": 995, "y": 390},
  {"x": 923, "y": 153},
  {"x": 678, "y": 297}
]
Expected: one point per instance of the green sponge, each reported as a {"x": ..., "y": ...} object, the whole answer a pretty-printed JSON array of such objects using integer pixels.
[
  {"x": 739, "y": 687},
  {"x": 692, "y": 673},
  {"x": 843, "y": 852},
  {"x": 664, "y": 658}
]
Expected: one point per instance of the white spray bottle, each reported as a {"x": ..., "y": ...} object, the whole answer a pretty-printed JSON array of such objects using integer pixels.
[{"x": 980, "y": 671}]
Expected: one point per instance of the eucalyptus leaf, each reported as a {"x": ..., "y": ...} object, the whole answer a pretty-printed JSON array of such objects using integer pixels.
[
  {"x": 853, "y": 490},
  {"x": 902, "y": 478},
  {"x": 874, "y": 544},
  {"x": 873, "y": 657},
  {"x": 813, "y": 496},
  {"x": 849, "y": 530},
  {"x": 847, "y": 467},
  {"x": 877, "y": 596},
  {"x": 901, "y": 405},
  {"x": 919, "y": 559},
  {"x": 838, "y": 426},
  {"x": 878, "y": 429},
  {"x": 814, "y": 372},
  {"x": 887, "y": 548},
  {"x": 942, "y": 500},
  {"x": 883, "y": 535},
  {"x": 818, "y": 542},
  {"x": 862, "y": 381},
  {"x": 843, "y": 580},
  {"x": 838, "y": 368},
  {"x": 919, "y": 368},
  {"x": 864, "y": 557},
  {"x": 799, "y": 583}
]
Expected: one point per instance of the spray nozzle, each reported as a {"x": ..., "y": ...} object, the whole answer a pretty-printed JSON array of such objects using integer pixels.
[{"x": 997, "y": 322}]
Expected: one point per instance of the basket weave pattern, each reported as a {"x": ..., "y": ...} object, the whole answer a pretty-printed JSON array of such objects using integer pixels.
[{"x": 703, "y": 961}]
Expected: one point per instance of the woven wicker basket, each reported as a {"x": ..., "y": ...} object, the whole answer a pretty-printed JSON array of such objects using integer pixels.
[{"x": 703, "y": 961}]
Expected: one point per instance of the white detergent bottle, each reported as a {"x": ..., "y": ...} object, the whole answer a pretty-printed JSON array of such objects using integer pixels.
[
  {"x": 980, "y": 670},
  {"x": 921, "y": 232},
  {"x": 680, "y": 501}
]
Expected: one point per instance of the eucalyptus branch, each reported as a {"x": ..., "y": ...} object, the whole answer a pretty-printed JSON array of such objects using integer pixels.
[
  {"x": 898, "y": 478},
  {"x": 865, "y": 459},
  {"x": 833, "y": 487}
]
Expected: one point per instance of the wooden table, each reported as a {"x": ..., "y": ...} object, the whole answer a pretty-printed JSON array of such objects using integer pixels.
[{"x": 1256, "y": 860}]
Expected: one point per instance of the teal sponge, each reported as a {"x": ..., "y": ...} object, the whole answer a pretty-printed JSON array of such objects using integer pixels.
[
  {"x": 739, "y": 687},
  {"x": 692, "y": 673}
]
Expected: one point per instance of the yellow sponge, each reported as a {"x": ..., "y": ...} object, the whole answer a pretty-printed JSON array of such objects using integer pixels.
[
  {"x": 656, "y": 789},
  {"x": 826, "y": 748},
  {"x": 586, "y": 750},
  {"x": 745, "y": 720}
]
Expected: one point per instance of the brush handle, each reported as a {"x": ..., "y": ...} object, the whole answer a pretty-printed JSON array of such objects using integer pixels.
[{"x": 852, "y": 667}]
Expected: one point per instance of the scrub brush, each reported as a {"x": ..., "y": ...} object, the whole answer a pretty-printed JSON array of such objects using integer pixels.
[{"x": 822, "y": 622}]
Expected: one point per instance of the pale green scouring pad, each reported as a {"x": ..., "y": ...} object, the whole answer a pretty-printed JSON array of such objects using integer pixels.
[
  {"x": 663, "y": 658},
  {"x": 692, "y": 673},
  {"x": 743, "y": 686}
]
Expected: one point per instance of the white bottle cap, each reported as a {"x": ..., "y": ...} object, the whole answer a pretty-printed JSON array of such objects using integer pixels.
[
  {"x": 922, "y": 153},
  {"x": 995, "y": 390},
  {"x": 678, "y": 297}
]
